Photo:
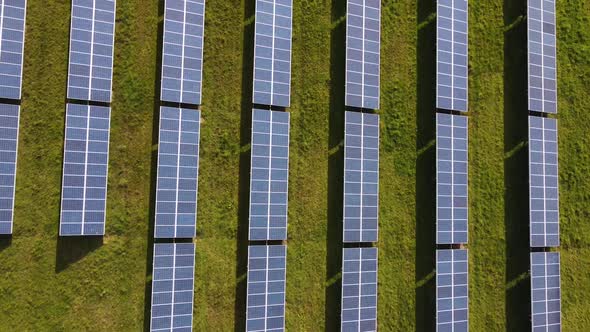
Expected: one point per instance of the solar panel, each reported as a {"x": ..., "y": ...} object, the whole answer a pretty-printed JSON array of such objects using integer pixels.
[
  {"x": 91, "y": 50},
  {"x": 178, "y": 172},
  {"x": 84, "y": 183},
  {"x": 361, "y": 177},
  {"x": 451, "y": 179},
  {"x": 172, "y": 287},
  {"x": 543, "y": 182},
  {"x": 452, "y": 299},
  {"x": 266, "y": 288},
  {"x": 545, "y": 292},
  {"x": 12, "y": 42},
  {"x": 272, "y": 52},
  {"x": 359, "y": 289},
  {"x": 451, "y": 55},
  {"x": 363, "y": 38},
  {"x": 182, "y": 60},
  {"x": 542, "y": 56},
  {"x": 269, "y": 179},
  {"x": 9, "y": 119}
]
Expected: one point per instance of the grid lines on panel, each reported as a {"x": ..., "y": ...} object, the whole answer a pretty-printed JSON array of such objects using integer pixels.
[
  {"x": 545, "y": 292},
  {"x": 451, "y": 55},
  {"x": 12, "y": 41},
  {"x": 542, "y": 43},
  {"x": 85, "y": 168},
  {"x": 363, "y": 42},
  {"x": 9, "y": 120},
  {"x": 452, "y": 298},
  {"x": 182, "y": 60},
  {"x": 451, "y": 179},
  {"x": 359, "y": 289},
  {"x": 91, "y": 50},
  {"x": 265, "y": 309},
  {"x": 178, "y": 172},
  {"x": 272, "y": 53},
  {"x": 269, "y": 177},
  {"x": 173, "y": 287},
  {"x": 361, "y": 177},
  {"x": 543, "y": 182}
]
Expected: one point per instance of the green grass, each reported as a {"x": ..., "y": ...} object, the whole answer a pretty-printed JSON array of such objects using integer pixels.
[{"x": 51, "y": 284}]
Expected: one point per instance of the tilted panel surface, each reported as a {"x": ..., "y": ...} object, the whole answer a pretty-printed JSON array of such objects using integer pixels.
[
  {"x": 545, "y": 292},
  {"x": 359, "y": 289},
  {"x": 9, "y": 120},
  {"x": 452, "y": 298},
  {"x": 12, "y": 40}
]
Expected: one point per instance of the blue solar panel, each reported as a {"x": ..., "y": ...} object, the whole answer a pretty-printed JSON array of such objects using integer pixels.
[
  {"x": 182, "y": 61},
  {"x": 451, "y": 55},
  {"x": 269, "y": 175},
  {"x": 12, "y": 41},
  {"x": 361, "y": 177},
  {"x": 178, "y": 172},
  {"x": 265, "y": 309},
  {"x": 451, "y": 179},
  {"x": 452, "y": 298},
  {"x": 9, "y": 119},
  {"x": 363, "y": 42},
  {"x": 545, "y": 292},
  {"x": 86, "y": 155},
  {"x": 173, "y": 287},
  {"x": 359, "y": 289},
  {"x": 91, "y": 50},
  {"x": 272, "y": 53}
]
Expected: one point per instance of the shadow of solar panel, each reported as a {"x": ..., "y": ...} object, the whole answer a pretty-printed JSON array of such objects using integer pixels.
[
  {"x": 359, "y": 289},
  {"x": 545, "y": 292},
  {"x": 178, "y": 173},
  {"x": 91, "y": 50},
  {"x": 182, "y": 60},
  {"x": 543, "y": 182},
  {"x": 12, "y": 41},
  {"x": 452, "y": 298},
  {"x": 9, "y": 120},
  {"x": 363, "y": 43},
  {"x": 272, "y": 53},
  {"x": 265, "y": 309},
  {"x": 361, "y": 177},
  {"x": 173, "y": 287},
  {"x": 85, "y": 168}
]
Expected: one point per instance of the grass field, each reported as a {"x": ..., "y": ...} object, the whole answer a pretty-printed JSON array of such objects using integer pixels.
[{"x": 52, "y": 284}]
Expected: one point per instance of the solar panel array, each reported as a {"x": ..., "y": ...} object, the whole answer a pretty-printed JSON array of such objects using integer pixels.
[
  {"x": 272, "y": 52},
  {"x": 451, "y": 55},
  {"x": 363, "y": 42},
  {"x": 359, "y": 289},
  {"x": 451, "y": 175},
  {"x": 269, "y": 175},
  {"x": 542, "y": 53},
  {"x": 361, "y": 177},
  {"x": 9, "y": 119},
  {"x": 265, "y": 310},
  {"x": 545, "y": 291},
  {"x": 452, "y": 298},
  {"x": 543, "y": 182},
  {"x": 91, "y": 50},
  {"x": 172, "y": 287},
  {"x": 84, "y": 186},
  {"x": 182, "y": 61},
  {"x": 12, "y": 41}
]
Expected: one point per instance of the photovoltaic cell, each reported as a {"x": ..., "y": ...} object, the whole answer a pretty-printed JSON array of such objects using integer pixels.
[
  {"x": 451, "y": 55},
  {"x": 12, "y": 41},
  {"x": 266, "y": 288},
  {"x": 91, "y": 50},
  {"x": 452, "y": 299},
  {"x": 172, "y": 287},
  {"x": 182, "y": 61},
  {"x": 86, "y": 156},
  {"x": 269, "y": 175},
  {"x": 542, "y": 56},
  {"x": 178, "y": 172},
  {"x": 363, "y": 42},
  {"x": 9, "y": 119},
  {"x": 451, "y": 179},
  {"x": 359, "y": 289},
  {"x": 545, "y": 292},
  {"x": 361, "y": 177},
  {"x": 272, "y": 52},
  {"x": 543, "y": 182}
]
